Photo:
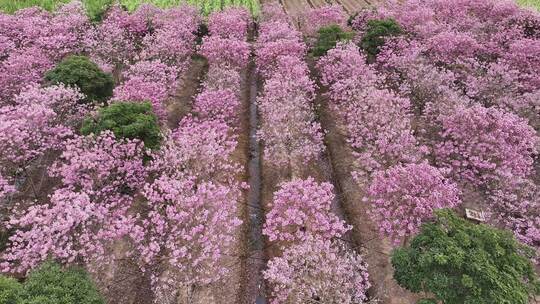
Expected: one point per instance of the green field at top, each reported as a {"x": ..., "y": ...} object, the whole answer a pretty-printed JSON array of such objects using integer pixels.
[
  {"x": 530, "y": 3},
  {"x": 96, "y": 7}
]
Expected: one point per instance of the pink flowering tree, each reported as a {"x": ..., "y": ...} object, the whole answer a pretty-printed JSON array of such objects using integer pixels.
[
  {"x": 273, "y": 11},
  {"x": 197, "y": 148},
  {"x": 173, "y": 39},
  {"x": 317, "y": 18},
  {"x": 379, "y": 128},
  {"x": 301, "y": 208},
  {"x": 111, "y": 41},
  {"x": 154, "y": 71},
  {"x": 516, "y": 206},
  {"x": 66, "y": 33},
  {"x": 277, "y": 39},
  {"x": 229, "y": 51},
  {"x": 344, "y": 71},
  {"x": 37, "y": 126},
  {"x": 229, "y": 23},
  {"x": 22, "y": 67},
  {"x": 402, "y": 197},
  {"x": 218, "y": 104},
  {"x": 521, "y": 56},
  {"x": 483, "y": 146},
  {"x": 188, "y": 229},
  {"x": 222, "y": 77},
  {"x": 87, "y": 213},
  {"x": 318, "y": 271},
  {"x": 138, "y": 90},
  {"x": 290, "y": 134}
]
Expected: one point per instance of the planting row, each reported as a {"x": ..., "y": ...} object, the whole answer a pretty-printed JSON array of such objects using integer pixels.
[{"x": 310, "y": 263}]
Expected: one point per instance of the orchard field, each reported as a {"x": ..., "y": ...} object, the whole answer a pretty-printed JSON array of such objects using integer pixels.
[{"x": 291, "y": 152}]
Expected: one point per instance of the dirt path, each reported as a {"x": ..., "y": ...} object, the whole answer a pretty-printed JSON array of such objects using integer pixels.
[
  {"x": 181, "y": 104},
  {"x": 253, "y": 289},
  {"x": 296, "y": 8}
]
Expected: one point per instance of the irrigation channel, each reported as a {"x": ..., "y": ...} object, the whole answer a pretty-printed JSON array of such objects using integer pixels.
[{"x": 254, "y": 289}]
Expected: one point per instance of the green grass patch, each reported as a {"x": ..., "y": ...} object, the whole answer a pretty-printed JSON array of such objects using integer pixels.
[
  {"x": 530, "y": 3},
  {"x": 96, "y": 8}
]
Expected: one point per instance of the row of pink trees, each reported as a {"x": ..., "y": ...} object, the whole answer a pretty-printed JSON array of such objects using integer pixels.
[
  {"x": 314, "y": 264},
  {"x": 193, "y": 195},
  {"x": 291, "y": 136},
  {"x": 403, "y": 192}
]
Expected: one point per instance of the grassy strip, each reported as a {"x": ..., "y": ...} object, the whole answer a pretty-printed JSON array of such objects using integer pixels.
[
  {"x": 530, "y": 3},
  {"x": 96, "y": 8}
]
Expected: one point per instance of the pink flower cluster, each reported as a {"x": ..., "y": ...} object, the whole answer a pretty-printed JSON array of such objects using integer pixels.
[
  {"x": 517, "y": 208},
  {"x": 173, "y": 37},
  {"x": 230, "y": 23},
  {"x": 317, "y": 18},
  {"x": 189, "y": 227},
  {"x": 289, "y": 131},
  {"x": 21, "y": 68},
  {"x": 301, "y": 208},
  {"x": 378, "y": 122},
  {"x": 231, "y": 51},
  {"x": 166, "y": 41},
  {"x": 87, "y": 212},
  {"x": 39, "y": 122},
  {"x": 273, "y": 11},
  {"x": 277, "y": 38},
  {"x": 148, "y": 34},
  {"x": 485, "y": 146},
  {"x": 318, "y": 269},
  {"x": 402, "y": 197}
]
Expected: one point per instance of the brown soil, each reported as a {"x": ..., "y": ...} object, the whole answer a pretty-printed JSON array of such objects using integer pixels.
[
  {"x": 180, "y": 105},
  {"x": 295, "y": 8}
]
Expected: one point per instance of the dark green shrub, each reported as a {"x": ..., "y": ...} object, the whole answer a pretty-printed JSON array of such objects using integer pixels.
[
  {"x": 327, "y": 39},
  {"x": 461, "y": 262},
  {"x": 10, "y": 290},
  {"x": 131, "y": 120},
  {"x": 51, "y": 284},
  {"x": 376, "y": 33},
  {"x": 202, "y": 31},
  {"x": 80, "y": 71}
]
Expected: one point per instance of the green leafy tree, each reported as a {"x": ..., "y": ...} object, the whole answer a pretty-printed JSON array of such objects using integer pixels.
[
  {"x": 461, "y": 262},
  {"x": 80, "y": 71},
  {"x": 376, "y": 33},
  {"x": 10, "y": 290},
  {"x": 327, "y": 39},
  {"x": 52, "y": 284},
  {"x": 131, "y": 120}
]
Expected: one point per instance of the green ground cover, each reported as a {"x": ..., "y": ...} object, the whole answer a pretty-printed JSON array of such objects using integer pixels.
[{"x": 96, "y": 7}]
